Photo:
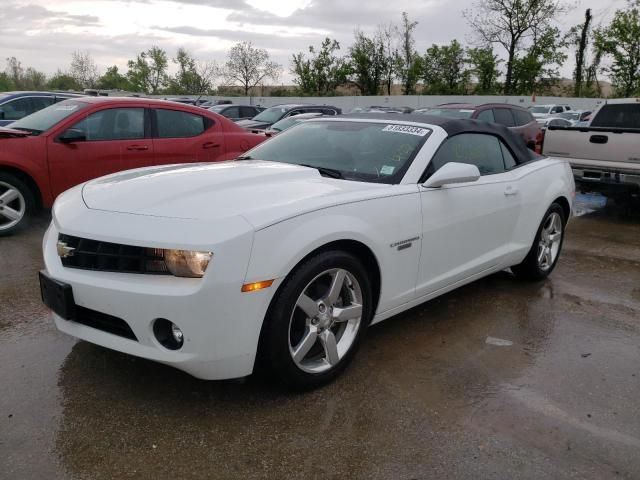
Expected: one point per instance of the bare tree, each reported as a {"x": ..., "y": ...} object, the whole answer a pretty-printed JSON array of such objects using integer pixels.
[
  {"x": 83, "y": 69},
  {"x": 248, "y": 66},
  {"x": 511, "y": 23}
]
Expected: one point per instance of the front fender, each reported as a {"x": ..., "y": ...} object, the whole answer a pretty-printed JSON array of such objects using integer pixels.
[{"x": 279, "y": 248}]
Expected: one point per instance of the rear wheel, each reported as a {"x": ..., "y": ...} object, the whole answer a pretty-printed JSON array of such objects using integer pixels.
[
  {"x": 544, "y": 254},
  {"x": 16, "y": 204},
  {"x": 316, "y": 323}
]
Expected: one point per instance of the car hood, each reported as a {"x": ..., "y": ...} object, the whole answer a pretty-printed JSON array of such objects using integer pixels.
[
  {"x": 263, "y": 193},
  {"x": 6, "y": 132},
  {"x": 248, "y": 124}
]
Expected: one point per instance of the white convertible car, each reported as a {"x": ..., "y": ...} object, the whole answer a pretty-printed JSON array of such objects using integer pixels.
[{"x": 283, "y": 258}]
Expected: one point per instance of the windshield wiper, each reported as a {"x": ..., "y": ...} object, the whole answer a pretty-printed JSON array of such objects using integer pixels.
[
  {"x": 32, "y": 131},
  {"x": 327, "y": 172}
]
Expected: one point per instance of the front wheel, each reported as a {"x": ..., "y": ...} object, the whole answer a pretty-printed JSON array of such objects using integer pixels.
[
  {"x": 317, "y": 320},
  {"x": 16, "y": 204},
  {"x": 544, "y": 254}
]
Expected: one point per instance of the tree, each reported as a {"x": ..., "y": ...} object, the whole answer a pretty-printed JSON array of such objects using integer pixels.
[
  {"x": 15, "y": 72},
  {"x": 248, "y": 66},
  {"x": 112, "y": 79},
  {"x": 444, "y": 70},
  {"x": 323, "y": 72},
  {"x": 83, "y": 69},
  {"x": 193, "y": 77},
  {"x": 408, "y": 62},
  {"x": 620, "y": 42},
  {"x": 148, "y": 72},
  {"x": 5, "y": 82},
  {"x": 483, "y": 63},
  {"x": 368, "y": 63},
  {"x": 536, "y": 70},
  {"x": 511, "y": 23},
  {"x": 579, "y": 35},
  {"x": 387, "y": 38},
  {"x": 62, "y": 81}
]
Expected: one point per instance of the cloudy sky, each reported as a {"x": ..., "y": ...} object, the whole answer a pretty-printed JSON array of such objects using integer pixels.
[{"x": 43, "y": 33}]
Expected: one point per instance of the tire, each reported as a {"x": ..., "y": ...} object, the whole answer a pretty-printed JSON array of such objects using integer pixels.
[
  {"x": 312, "y": 331},
  {"x": 17, "y": 204},
  {"x": 538, "y": 265}
]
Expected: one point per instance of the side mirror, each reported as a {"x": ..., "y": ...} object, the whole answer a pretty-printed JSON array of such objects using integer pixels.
[
  {"x": 72, "y": 135},
  {"x": 453, "y": 173}
]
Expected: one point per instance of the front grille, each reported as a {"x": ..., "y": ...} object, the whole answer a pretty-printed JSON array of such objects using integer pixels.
[
  {"x": 87, "y": 254},
  {"x": 104, "y": 322}
]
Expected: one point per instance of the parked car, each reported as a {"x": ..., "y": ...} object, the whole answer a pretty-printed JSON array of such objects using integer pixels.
[
  {"x": 554, "y": 122},
  {"x": 236, "y": 112},
  {"x": 289, "y": 122},
  {"x": 540, "y": 111},
  {"x": 513, "y": 117},
  {"x": 283, "y": 259},
  {"x": 76, "y": 140},
  {"x": 188, "y": 101},
  {"x": 575, "y": 116},
  {"x": 268, "y": 117},
  {"x": 382, "y": 109},
  {"x": 17, "y": 105},
  {"x": 605, "y": 155}
]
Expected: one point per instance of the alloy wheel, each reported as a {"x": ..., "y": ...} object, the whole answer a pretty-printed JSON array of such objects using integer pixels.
[
  {"x": 12, "y": 206},
  {"x": 325, "y": 320},
  {"x": 549, "y": 243}
]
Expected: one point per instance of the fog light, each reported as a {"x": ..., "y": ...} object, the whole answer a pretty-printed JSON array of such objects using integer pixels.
[{"x": 168, "y": 334}]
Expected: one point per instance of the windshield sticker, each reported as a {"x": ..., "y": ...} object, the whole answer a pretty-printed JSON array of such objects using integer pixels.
[
  {"x": 387, "y": 170},
  {"x": 66, "y": 108},
  {"x": 420, "y": 132}
]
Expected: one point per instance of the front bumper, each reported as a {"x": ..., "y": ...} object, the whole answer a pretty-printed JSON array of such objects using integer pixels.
[{"x": 221, "y": 325}]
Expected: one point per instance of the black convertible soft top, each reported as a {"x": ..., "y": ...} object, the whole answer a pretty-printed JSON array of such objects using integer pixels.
[{"x": 456, "y": 126}]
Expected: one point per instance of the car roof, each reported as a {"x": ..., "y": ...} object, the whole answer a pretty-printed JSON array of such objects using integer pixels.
[
  {"x": 300, "y": 105},
  {"x": 452, "y": 126},
  {"x": 30, "y": 93},
  {"x": 470, "y": 106}
]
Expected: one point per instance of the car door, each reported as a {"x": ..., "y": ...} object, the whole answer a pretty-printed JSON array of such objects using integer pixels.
[
  {"x": 186, "y": 137},
  {"x": 115, "y": 139},
  {"x": 468, "y": 228}
]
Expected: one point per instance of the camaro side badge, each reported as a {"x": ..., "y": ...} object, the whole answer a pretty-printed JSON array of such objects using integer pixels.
[
  {"x": 64, "y": 250},
  {"x": 404, "y": 244}
]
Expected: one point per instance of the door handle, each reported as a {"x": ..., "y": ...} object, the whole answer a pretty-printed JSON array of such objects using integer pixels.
[
  {"x": 210, "y": 145},
  {"x": 510, "y": 190},
  {"x": 601, "y": 139},
  {"x": 137, "y": 147}
]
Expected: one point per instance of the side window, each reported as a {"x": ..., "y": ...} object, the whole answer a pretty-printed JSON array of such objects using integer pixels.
[
  {"x": 509, "y": 161},
  {"x": 486, "y": 116},
  {"x": 557, "y": 110},
  {"x": 176, "y": 124},
  {"x": 113, "y": 124},
  {"x": 232, "y": 112},
  {"x": 248, "y": 112},
  {"x": 504, "y": 117},
  {"x": 294, "y": 112},
  {"x": 522, "y": 117},
  {"x": 328, "y": 111},
  {"x": 17, "y": 109},
  {"x": 483, "y": 151},
  {"x": 38, "y": 103}
]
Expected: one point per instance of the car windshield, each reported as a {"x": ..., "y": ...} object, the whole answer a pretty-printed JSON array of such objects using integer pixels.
[
  {"x": 270, "y": 115},
  {"x": 356, "y": 150},
  {"x": 448, "y": 112},
  {"x": 43, "y": 120},
  {"x": 570, "y": 115},
  {"x": 539, "y": 109},
  {"x": 284, "y": 124}
]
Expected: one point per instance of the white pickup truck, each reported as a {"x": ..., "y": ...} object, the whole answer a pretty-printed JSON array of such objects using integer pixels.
[{"x": 604, "y": 156}]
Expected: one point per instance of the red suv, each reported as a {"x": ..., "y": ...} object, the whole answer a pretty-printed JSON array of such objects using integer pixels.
[
  {"x": 73, "y": 141},
  {"x": 514, "y": 117}
]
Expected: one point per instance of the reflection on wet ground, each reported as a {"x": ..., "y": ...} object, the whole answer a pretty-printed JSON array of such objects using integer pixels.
[{"x": 499, "y": 379}]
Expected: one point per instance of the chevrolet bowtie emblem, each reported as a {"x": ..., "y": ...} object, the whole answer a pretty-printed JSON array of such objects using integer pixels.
[{"x": 64, "y": 250}]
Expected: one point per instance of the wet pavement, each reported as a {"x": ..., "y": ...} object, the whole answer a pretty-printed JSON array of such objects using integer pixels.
[{"x": 499, "y": 379}]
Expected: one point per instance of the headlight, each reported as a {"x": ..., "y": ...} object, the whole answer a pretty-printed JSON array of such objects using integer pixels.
[{"x": 184, "y": 263}]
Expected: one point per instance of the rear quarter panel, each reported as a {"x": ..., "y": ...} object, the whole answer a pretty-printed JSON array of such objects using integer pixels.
[{"x": 29, "y": 156}]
